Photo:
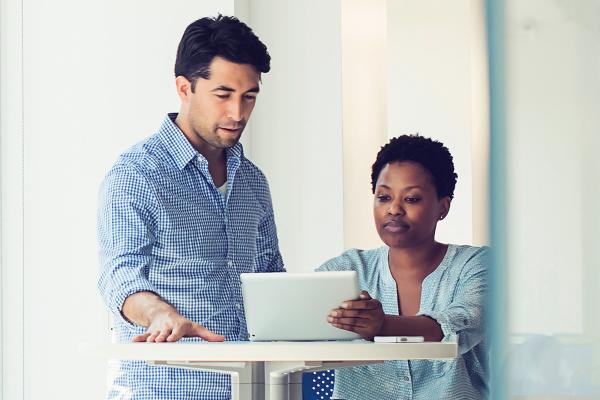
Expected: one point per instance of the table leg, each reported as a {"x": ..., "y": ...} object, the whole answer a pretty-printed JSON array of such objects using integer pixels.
[
  {"x": 295, "y": 385},
  {"x": 247, "y": 378}
]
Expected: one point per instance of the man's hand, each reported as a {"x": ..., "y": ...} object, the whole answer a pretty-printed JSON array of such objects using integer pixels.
[
  {"x": 363, "y": 316},
  {"x": 170, "y": 326},
  {"x": 164, "y": 323}
]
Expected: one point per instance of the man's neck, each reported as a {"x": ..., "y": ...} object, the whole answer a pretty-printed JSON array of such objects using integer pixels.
[{"x": 214, "y": 155}]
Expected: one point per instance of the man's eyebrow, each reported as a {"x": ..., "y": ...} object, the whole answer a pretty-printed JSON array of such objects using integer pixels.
[{"x": 223, "y": 88}]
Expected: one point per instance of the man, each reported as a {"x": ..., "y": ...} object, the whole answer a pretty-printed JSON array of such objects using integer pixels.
[{"x": 183, "y": 213}]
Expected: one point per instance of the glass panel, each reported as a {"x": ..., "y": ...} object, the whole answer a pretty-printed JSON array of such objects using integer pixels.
[{"x": 545, "y": 74}]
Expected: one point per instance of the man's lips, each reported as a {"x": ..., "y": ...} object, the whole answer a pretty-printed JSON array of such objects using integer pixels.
[
  {"x": 395, "y": 226},
  {"x": 231, "y": 129}
]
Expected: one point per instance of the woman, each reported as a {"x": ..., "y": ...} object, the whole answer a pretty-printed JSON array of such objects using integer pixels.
[{"x": 414, "y": 285}]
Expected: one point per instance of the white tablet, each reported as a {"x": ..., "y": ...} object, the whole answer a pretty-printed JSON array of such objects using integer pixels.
[{"x": 294, "y": 306}]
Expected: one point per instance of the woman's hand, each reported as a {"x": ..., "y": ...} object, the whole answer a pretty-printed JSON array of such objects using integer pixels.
[{"x": 363, "y": 316}]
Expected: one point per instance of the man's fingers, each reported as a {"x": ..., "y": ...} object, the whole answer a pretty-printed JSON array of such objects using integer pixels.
[
  {"x": 141, "y": 338},
  {"x": 152, "y": 337},
  {"x": 177, "y": 333},
  {"x": 205, "y": 334},
  {"x": 162, "y": 337}
]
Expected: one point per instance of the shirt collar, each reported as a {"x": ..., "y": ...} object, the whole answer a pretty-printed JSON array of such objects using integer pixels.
[{"x": 181, "y": 149}]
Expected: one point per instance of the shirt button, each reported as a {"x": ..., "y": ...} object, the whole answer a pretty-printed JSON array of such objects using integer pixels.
[{"x": 407, "y": 378}]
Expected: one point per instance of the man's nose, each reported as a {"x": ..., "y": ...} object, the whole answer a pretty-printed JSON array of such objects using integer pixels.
[{"x": 235, "y": 110}]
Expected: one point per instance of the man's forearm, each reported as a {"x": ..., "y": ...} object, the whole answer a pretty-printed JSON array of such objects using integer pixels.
[
  {"x": 142, "y": 307},
  {"x": 398, "y": 325}
]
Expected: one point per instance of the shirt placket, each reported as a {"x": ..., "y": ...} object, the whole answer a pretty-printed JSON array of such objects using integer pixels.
[
  {"x": 390, "y": 294},
  {"x": 233, "y": 258},
  {"x": 223, "y": 209}
]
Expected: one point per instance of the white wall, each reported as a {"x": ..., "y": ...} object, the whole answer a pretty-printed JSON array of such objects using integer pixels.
[
  {"x": 97, "y": 77},
  {"x": 438, "y": 88},
  {"x": 296, "y": 135},
  {"x": 364, "y": 89},
  {"x": 11, "y": 202}
]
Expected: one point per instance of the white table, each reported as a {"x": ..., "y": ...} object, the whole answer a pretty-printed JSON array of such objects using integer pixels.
[{"x": 273, "y": 370}]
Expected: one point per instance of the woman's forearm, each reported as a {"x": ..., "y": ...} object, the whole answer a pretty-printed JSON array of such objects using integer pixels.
[{"x": 398, "y": 325}]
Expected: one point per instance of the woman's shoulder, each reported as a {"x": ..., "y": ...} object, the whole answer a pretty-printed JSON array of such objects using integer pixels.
[
  {"x": 355, "y": 260},
  {"x": 468, "y": 252},
  {"x": 469, "y": 259}
]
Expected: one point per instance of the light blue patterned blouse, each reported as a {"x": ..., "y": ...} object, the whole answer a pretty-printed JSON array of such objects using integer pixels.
[
  {"x": 453, "y": 295},
  {"x": 164, "y": 227}
]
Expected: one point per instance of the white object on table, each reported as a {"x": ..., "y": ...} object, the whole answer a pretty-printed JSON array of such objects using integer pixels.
[{"x": 398, "y": 339}]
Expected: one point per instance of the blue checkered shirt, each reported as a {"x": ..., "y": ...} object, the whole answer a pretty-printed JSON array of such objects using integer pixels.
[
  {"x": 454, "y": 296},
  {"x": 164, "y": 227}
]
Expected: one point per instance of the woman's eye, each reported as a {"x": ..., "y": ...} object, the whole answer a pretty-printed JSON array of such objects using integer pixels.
[
  {"x": 412, "y": 199},
  {"x": 383, "y": 197}
]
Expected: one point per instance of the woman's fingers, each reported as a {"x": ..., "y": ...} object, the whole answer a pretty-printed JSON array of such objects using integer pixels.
[{"x": 370, "y": 304}]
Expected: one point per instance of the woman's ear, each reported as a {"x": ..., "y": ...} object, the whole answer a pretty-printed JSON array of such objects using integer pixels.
[{"x": 444, "y": 206}]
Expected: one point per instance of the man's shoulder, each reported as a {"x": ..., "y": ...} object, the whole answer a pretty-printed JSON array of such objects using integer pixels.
[
  {"x": 146, "y": 155},
  {"x": 148, "y": 158},
  {"x": 254, "y": 179},
  {"x": 137, "y": 167},
  {"x": 252, "y": 171}
]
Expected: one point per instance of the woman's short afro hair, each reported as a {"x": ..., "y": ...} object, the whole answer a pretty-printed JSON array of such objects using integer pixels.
[{"x": 430, "y": 154}]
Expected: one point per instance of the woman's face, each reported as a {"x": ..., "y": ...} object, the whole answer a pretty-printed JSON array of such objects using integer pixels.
[{"x": 406, "y": 206}]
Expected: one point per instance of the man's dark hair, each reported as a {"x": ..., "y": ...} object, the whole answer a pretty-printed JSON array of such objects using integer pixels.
[
  {"x": 220, "y": 36},
  {"x": 429, "y": 154}
]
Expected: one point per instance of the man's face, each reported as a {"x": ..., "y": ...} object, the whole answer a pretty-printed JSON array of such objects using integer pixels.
[{"x": 216, "y": 112}]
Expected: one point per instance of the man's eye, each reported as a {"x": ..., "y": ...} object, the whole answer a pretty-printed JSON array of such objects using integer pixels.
[
  {"x": 222, "y": 96},
  {"x": 249, "y": 98}
]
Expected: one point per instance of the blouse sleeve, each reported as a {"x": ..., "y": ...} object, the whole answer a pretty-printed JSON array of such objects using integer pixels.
[{"x": 463, "y": 319}]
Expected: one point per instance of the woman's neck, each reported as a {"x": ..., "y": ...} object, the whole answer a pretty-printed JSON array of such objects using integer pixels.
[{"x": 419, "y": 260}]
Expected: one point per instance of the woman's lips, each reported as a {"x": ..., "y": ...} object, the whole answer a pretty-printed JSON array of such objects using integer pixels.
[{"x": 395, "y": 226}]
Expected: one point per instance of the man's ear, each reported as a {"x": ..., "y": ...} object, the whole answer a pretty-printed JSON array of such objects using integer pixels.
[{"x": 184, "y": 88}]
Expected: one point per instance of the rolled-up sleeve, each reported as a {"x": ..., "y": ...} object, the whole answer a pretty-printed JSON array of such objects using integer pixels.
[
  {"x": 126, "y": 222},
  {"x": 463, "y": 319}
]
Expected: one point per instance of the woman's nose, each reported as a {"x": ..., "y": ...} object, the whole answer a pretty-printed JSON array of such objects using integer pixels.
[{"x": 396, "y": 209}]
